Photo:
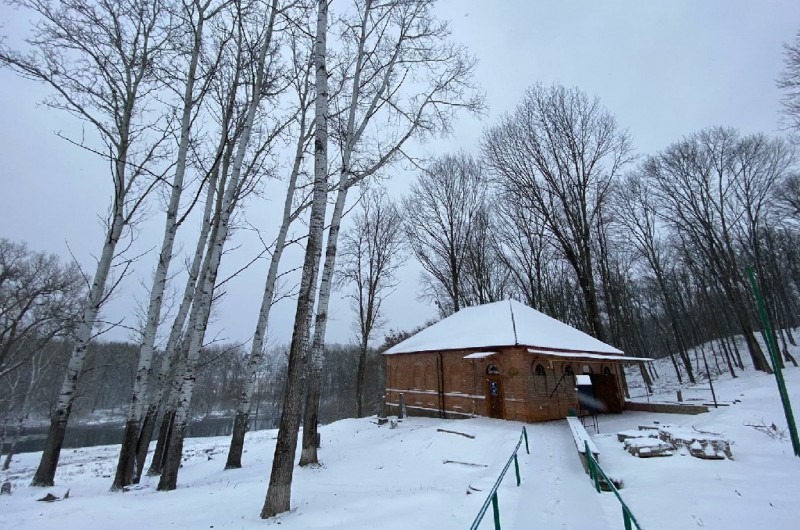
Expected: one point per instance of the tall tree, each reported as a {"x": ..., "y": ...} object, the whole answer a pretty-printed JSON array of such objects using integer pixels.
[
  {"x": 695, "y": 181},
  {"x": 402, "y": 79},
  {"x": 789, "y": 82},
  {"x": 440, "y": 213},
  {"x": 226, "y": 108},
  {"x": 637, "y": 213},
  {"x": 372, "y": 252},
  {"x": 303, "y": 132},
  {"x": 279, "y": 493},
  {"x": 558, "y": 152},
  {"x": 98, "y": 59},
  {"x": 194, "y": 81},
  {"x": 263, "y": 73}
]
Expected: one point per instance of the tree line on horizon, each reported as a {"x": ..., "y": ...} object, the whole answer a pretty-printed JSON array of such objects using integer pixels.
[{"x": 196, "y": 104}]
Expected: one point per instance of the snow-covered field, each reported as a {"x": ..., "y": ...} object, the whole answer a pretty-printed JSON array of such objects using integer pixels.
[{"x": 376, "y": 477}]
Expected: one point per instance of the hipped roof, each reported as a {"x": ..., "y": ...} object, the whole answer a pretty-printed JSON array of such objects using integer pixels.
[{"x": 502, "y": 324}]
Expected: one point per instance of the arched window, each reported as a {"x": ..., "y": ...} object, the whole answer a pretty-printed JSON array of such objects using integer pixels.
[
  {"x": 492, "y": 369},
  {"x": 587, "y": 369},
  {"x": 606, "y": 370},
  {"x": 539, "y": 379},
  {"x": 568, "y": 370}
]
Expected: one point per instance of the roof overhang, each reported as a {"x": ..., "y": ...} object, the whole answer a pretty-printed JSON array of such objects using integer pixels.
[
  {"x": 480, "y": 355},
  {"x": 589, "y": 356}
]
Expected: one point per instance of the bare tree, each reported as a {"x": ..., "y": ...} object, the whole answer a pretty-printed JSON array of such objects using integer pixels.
[
  {"x": 279, "y": 493},
  {"x": 40, "y": 299},
  {"x": 237, "y": 183},
  {"x": 402, "y": 78},
  {"x": 303, "y": 133},
  {"x": 225, "y": 107},
  {"x": 40, "y": 302},
  {"x": 372, "y": 252},
  {"x": 559, "y": 152},
  {"x": 695, "y": 181},
  {"x": 789, "y": 82},
  {"x": 193, "y": 17},
  {"x": 636, "y": 212},
  {"x": 19, "y": 390},
  {"x": 484, "y": 277},
  {"x": 98, "y": 59},
  {"x": 535, "y": 266},
  {"x": 440, "y": 214}
]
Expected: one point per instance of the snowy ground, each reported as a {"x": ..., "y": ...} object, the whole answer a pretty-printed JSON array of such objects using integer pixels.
[{"x": 375, "y": 477}]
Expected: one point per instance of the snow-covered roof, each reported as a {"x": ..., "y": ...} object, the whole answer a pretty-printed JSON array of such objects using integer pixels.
[{"x": 505, "y": 323}]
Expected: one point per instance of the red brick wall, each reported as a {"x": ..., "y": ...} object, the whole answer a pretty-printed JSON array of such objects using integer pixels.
[{"x": 527, "y": 397}]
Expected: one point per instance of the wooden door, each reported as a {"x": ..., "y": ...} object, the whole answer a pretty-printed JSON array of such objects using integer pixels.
[
  {"x": 607, "y": 392},
  {"x": 494, "y": 397}
]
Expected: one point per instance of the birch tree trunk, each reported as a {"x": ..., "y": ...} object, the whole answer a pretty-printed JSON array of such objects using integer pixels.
[
  {"x": 311, "y": 415},
  {"x": 113, "y": 101},
  {"x": 216, "y": 189},
  {"x": 169, "y": 407},
  {"x": 314, "y": 390},
  {"x": 128, "y": 467},
  {"x": 240, "y": 422},
  {"x": 201, "y": 311},
  {"x": 45, "y": 473},
  {"x": 171, "y": 350},
  {"x": 278, "y": 499},
  {"x": 375, "y": 81},
  {"x": 198, "y": 321}
]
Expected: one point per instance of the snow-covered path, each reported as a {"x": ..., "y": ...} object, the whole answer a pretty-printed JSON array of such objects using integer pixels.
[{"x": 555, "y": 491}]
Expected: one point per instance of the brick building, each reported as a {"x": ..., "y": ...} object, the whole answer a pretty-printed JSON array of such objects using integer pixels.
[{"x": 501, "y": 360}]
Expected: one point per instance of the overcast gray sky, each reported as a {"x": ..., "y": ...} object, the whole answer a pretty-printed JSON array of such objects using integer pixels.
[{"x": 664, "y": 69}]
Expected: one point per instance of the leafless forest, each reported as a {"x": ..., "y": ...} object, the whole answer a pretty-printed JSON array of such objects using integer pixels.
[{"x": 197, "y": 104}]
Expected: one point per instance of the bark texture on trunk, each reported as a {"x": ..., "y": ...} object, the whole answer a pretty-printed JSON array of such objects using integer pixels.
[
  {"x": 45, "y": 473},
  {"x": 311, "y": 417},
  {"x": 173, "y": 347},
  {"x": 244, "y": 405},
  {"x": 201, "y": 309},
  {"x": 278, "y": 499},
  {"x": 128, "y": 468}
]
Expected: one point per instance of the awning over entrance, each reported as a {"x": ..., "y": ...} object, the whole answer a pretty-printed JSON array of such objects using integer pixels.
[
  {"x": 588, "y": 356},
  {"x": 480, "y": 355}
]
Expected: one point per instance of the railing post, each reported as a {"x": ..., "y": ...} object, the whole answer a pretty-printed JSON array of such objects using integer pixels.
[
  {"x": 626, "y": 518},
  {"x": 525, "y": 434},
  {"x": 593, "y": 474},
  {"x": 496, "y": 510},
  {"x": 516, "y": 468}
]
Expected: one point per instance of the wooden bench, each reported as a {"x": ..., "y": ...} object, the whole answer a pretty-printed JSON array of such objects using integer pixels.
[{"x": 581, "y": 439}]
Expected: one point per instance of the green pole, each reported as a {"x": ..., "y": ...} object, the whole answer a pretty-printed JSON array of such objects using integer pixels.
[
  {"x": 626, "y": 518},
  {"x": 525, "y": 433},
  {"x": 776, "y": 364},
  {"x": 496, "y": 510}
]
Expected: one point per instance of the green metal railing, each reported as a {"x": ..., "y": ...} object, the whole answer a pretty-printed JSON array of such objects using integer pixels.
[
  {"x": 775, "y": 356},
  {"x": 594, "y": 473},
  {"x": 492, "y": 498}
]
